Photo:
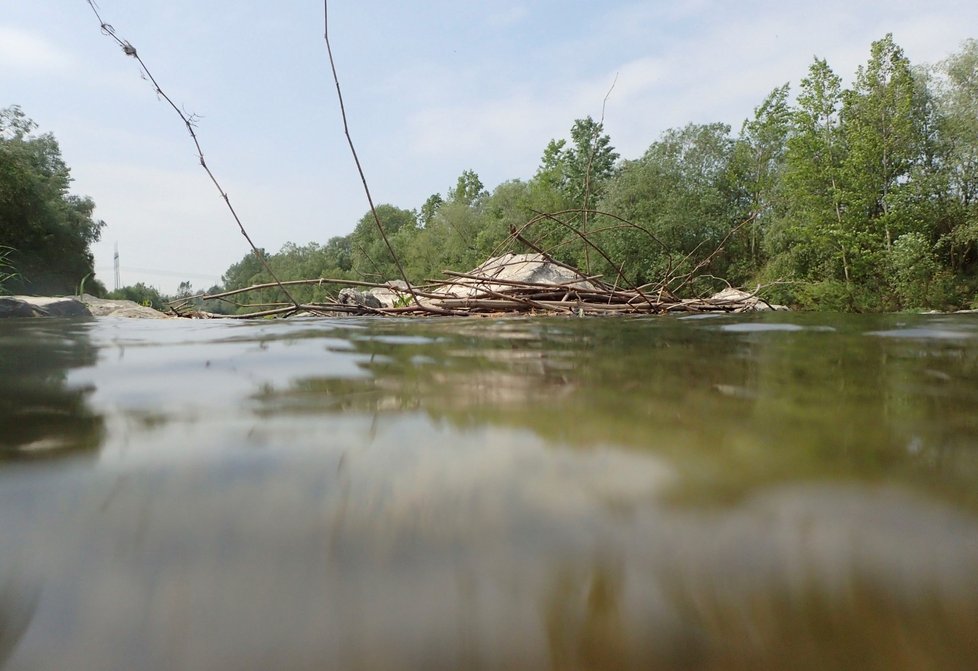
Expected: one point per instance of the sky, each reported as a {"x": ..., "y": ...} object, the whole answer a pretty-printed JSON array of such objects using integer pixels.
[{"x": 431, "y": 89}]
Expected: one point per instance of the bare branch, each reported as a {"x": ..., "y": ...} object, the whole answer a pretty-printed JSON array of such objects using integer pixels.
[{"x": 189, "y": 121}]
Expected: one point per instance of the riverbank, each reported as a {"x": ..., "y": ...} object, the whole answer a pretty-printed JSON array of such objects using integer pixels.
[{"x": 75, "y": 306}]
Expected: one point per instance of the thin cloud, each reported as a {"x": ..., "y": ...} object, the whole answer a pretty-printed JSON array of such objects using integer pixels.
[
  {"x": 508, "y": 17},
  {"x": 24, "y": 52}
]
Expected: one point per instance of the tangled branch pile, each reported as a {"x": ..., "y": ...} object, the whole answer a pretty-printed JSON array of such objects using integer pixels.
[{"x": 512, "y": 284}]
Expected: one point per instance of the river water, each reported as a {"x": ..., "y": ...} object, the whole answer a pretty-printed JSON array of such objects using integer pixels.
[{"x": 709, "y": 492}]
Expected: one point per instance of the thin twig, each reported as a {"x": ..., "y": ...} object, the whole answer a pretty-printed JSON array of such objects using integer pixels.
[
  {"x": 189, "y": 121},
  {"x": 709, "y": 259},
  {"x": 353, "y": 150},
  {"x": 592, "y": 149}
]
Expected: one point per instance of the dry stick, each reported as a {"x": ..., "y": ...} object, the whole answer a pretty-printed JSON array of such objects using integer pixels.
[
  {"x": 587, "y": 173},
  {"x": 540, "y": 216},
  {"x": 687, "y": 278},
  {"x": 322, "y": 280},
  {"x": 600, "y": 251},
  {"x": 356, "y": 159},
  {"x": 483, "y": 279},
  {"x": 517, "y": 234},
  {"x": 130, "y": 50}
]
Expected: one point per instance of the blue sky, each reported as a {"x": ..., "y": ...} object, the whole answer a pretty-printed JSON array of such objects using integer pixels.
[{"x": 431, "y": 89}]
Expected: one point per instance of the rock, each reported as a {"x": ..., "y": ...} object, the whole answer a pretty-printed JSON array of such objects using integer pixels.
[
  {"x": 392, "y": 295},
  {"x": 42, "y": 306},
  {"x": 86, "y": 306},
  {"x": 751, "y": 303},
  {"x": 527, "y": 268},
  {"x": 356, "y": 297},
  {"x": 102, "y": 307}
]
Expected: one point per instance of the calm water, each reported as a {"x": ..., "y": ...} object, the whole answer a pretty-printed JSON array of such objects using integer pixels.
[{"x": 758, "y": 492}]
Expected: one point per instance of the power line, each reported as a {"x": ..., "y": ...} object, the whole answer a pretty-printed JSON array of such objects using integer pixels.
[{"x": 164, "y": 273}]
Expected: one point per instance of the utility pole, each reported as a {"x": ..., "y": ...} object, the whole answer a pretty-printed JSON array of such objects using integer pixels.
[{"x": 115, "y": 260}]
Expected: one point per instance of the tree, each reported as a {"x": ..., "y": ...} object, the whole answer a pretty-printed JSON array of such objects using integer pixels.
[
  {"x": 957, "y": 101},
  {"x": 369, "y": 253},
  {"x": 572, "y": 177},
  {"x": 682, "y": 193},
  {"x": 883, "y": 123},
  {"x": 579, "y": 171},
  {"x": 246, "y": 272},
  {"x": 758, "y": 162},
  {"x": 429, "y": 208},
  {"x": 140, "y": 293},
  {"x": 47, "y": 230},
  {"x": 809, "y": 238},
  {"x": 451, "y": 228},
  {"x": 468, "y": 189}
]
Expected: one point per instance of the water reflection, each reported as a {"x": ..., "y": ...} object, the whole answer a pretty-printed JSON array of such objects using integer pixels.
[
  {"x": 41, "y": 415},
  {"x": 296, "y": 564},
  {"x": 564, "y": 494},
  {"x": 721, "y": 398}
]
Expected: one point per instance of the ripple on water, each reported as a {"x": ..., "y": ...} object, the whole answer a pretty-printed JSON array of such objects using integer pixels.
[
  {"x": 760, "y": 328},
  {"x": 924, "y": 334}
]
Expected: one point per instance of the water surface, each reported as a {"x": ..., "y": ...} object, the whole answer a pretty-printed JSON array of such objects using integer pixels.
[{"x": 750, "y": 492}]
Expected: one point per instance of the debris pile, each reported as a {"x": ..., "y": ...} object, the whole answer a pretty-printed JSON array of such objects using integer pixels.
[{"x": 510, "y": 284}]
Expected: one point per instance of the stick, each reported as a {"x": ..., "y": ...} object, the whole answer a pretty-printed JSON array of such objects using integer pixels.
[{"x": 189, "y": 122}]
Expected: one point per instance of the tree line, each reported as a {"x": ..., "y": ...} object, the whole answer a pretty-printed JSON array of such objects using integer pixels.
[{"x": 861, "y": 199}]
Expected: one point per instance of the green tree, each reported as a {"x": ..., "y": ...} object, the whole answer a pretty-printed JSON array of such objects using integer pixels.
[
  {"x": 429, "y": 208},
  {"x": 580, "y": 170},
  {"x": 912, "y": 270},
  {"x": 48, "y": 230},
  {"x": 758, "y": 162},
  {"x": 246, "y": 272},
  {"x": 957, "y": 102},
  {"x": 468, "y": 189},
  {"x": 809, "y": 239},
  {"x": 452, "y": 227},
  {"x": 140, "y": 293},
  {"x": 883, "y": 122},
  {"x": 682, "y": 196},
  {"x": 572, "y": 176},
  {"x": 370, "y": 256}
]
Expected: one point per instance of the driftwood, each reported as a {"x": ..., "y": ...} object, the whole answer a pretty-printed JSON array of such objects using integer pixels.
[
  {"x": 483, "y": 291},
  {"x": 486, "y": 291}
]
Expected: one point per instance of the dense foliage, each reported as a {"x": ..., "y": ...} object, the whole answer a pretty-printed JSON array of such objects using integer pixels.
[
  {"x": 854, "y": 199},
  {"x": 45, "y": 232},
  {"x": 141, "y": 294}
]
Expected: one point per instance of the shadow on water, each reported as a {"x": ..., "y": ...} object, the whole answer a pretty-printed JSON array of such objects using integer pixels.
[{"x": 41, "y": 415}]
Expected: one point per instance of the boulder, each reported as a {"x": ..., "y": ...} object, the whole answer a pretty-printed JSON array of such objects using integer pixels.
[
  {"x": 750, "y": 302},
  {"x": 357, "y": 297},
  {"x": 499, "y": 272},
  {"x": 70, "y": 306},
  {"x": 42, "y": 306},
  {"x": 392, "y": 295},
  {"x": 103, "y": 307}
]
